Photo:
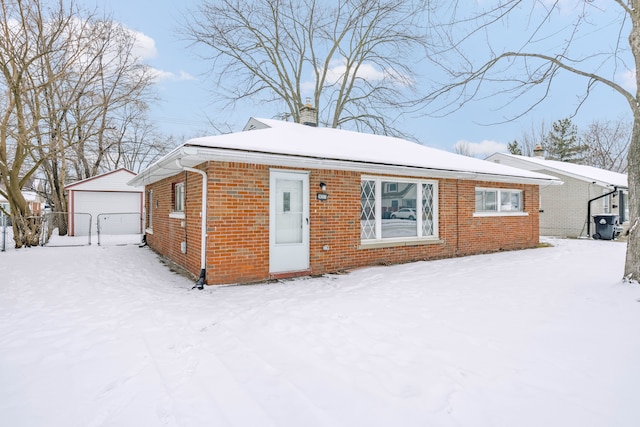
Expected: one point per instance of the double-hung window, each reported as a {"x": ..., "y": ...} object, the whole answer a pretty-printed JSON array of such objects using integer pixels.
[
  {"x": 498, "y": 201},
  {"x": 398, "y": 210},
  {"x": 177, "y": 197},
  {"x": 150, "y": 202}
]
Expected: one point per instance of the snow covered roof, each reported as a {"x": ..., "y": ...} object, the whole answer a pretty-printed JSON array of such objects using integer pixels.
[
  {"x": 582, "y": 172},
  {"x": 278, "y": 143},
  {"x": 110, "y": 181},
  {"x": 29, "y": 196}
]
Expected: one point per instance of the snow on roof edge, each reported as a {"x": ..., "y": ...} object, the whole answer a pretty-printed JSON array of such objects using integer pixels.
[
  {"x": 582, "y": 172},
  {"x": 102, "y": 175},
  {"x": 274, "y": 138}
]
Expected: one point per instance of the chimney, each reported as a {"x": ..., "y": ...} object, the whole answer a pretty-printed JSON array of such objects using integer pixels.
[
  {"x": 308, "y": 114},
  {"x": 538, "y": 152}
]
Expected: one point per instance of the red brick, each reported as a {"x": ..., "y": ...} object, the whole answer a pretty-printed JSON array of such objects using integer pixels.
[{"x": 238, "y": 223}]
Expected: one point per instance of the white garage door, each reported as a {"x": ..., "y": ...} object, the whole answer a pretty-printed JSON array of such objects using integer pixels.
[{"x": 119, "y": 212}]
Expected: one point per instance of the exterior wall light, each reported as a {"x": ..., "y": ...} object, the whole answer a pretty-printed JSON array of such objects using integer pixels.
[{"x": 322, "y": 196}]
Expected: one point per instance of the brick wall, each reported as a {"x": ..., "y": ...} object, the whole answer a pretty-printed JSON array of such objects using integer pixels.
[{"x": 238, "y": 223}]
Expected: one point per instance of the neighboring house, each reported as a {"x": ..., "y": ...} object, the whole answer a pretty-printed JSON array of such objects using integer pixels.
[
  {"x": 4, "y": 204},
  {"x": 285, "y": 199},
  {"x": 106, "y": 200},
  {"x": 32, "y": 198},
  {"x": 587, "y": 191}
]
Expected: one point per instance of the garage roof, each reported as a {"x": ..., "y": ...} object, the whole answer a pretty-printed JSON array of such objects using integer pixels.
[{"x": 111, "y": 181}]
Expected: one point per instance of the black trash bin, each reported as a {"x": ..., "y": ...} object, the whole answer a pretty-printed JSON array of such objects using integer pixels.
[{"x": 607, "y": 226}]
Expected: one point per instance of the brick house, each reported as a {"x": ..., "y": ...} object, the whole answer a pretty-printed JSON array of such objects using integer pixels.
[
  {"x": 284, "y": 199},
  {"x": 568, "y": 210}
]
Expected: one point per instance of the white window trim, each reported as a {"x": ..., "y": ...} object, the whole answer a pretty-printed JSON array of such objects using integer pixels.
[
  {"x": 606, "y": 201},
  {"x": 480, "y": 214},
  {"x": 178, "y": 213},
  {"x": 149, "y": 229},
  {"x": 403, "y": 241},
  {"x": 504, "y": 213}
]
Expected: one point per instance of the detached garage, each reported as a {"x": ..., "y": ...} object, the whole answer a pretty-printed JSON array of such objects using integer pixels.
[{"x": 105, "y": 200}]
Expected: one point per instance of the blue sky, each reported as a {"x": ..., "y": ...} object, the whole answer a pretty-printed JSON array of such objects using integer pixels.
[{"x": 188, "y": 95}]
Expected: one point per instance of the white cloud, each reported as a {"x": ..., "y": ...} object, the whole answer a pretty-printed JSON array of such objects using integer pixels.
[
  {"x": 628, "y": 80},
  {"x": 480, "y": 149},
  {"x": 144, "y": 46},
  {"x": 162, "y": 75},
  {"x": 368, "y": 72},
  {"x": 183, "y": 75}
]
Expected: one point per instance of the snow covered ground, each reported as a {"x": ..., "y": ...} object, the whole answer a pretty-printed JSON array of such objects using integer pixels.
[{"x": 108, "y": 336}]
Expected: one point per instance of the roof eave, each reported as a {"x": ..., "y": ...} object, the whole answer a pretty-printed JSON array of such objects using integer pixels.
[
  {"x": 551, "y": 169},
  {"x": 163, "y": 168},
  {"x": 193, "y": 155},
  {"x": 286, "y": 160}
]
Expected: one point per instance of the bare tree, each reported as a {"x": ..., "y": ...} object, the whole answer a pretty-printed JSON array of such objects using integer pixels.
[
  {"x": 351, "y": 58},
  {"x": 547, "y": 40},
  {"x": 463, "y": 148},
  {"x": 608, "y": 142},
  {"x": 140, "y": 146},
  {"x": 23, "y": 42},
  {"x": 532, "y": 137},
  {"x": 72, "y": 82}
]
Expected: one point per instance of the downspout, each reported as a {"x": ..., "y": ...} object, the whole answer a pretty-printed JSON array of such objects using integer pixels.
[
  {"x": 615, "y": 190},
  {"x": 203, "y": 237}
]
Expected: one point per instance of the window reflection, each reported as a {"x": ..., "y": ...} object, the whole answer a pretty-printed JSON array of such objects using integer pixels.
[{"x": 398, "y": 209}]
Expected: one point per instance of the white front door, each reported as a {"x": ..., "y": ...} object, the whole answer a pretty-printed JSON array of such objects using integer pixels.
[{"x": 289, "y": 222}]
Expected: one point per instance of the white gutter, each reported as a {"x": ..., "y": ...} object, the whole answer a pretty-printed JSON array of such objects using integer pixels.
[
  {"x": 207, "y": 153},
  {"x": 203, "y": 233},
  {"x": 194, "y": 155}
]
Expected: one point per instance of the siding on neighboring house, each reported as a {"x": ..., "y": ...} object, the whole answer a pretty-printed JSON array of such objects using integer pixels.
[
  {"x": 564, "y": 208},
  {"x": 238, "y": 223}
]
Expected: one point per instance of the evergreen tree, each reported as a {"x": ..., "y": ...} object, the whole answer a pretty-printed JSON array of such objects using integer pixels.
[
  {"x": 514, "y": 148},
  {"x": 562, "y": 143}
]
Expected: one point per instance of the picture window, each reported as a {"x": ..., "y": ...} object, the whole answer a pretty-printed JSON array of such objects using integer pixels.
[{"x": 398, "y": 210}]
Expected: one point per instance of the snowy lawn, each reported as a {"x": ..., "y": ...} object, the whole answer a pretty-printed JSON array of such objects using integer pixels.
[{"x": 108, "y": 336}]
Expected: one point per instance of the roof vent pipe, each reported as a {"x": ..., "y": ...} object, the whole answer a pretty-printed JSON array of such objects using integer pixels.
[{"x": 203, "y": 237}]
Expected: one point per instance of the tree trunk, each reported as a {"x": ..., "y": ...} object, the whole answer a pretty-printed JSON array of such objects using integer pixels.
[
  {"x": 26, "y": 227},
  {"x": 632, "y": 263}
]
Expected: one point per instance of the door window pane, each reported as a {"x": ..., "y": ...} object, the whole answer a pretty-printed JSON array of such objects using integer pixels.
[{"x": 289, "y": 211}]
